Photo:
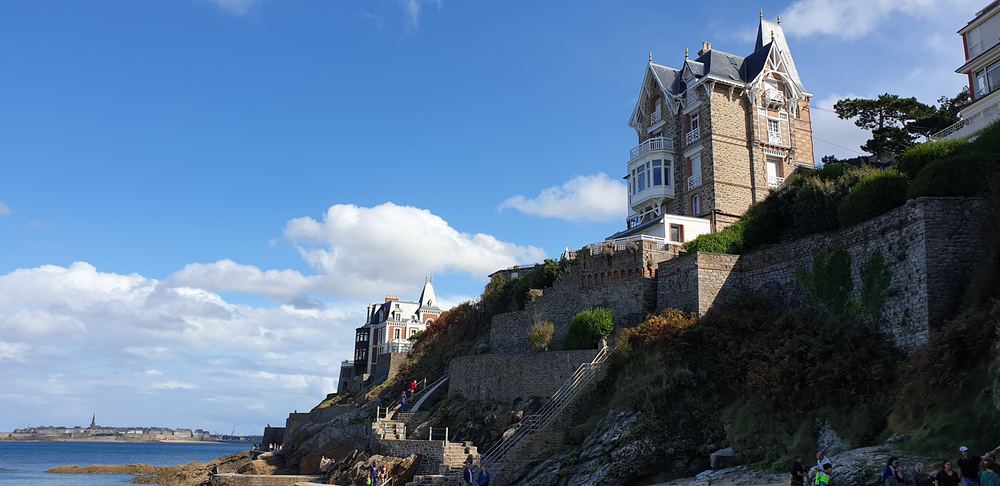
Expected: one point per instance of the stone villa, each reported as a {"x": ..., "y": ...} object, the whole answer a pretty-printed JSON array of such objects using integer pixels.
[
  {"x": 387, "y": 332},
  {"x": 714, "y": 137}
]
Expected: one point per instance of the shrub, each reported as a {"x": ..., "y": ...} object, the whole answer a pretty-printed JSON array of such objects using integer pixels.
[
  {"x": 876, "y": 193},
  {"x": 954, "y": 176},
  {"x": 915, "y": 158},
  {"x": 589, "y": 326},
  {"x": 540, "y": 335},
  {"x": 729, "y": 240},
  {"x": 764, "y": 221}
]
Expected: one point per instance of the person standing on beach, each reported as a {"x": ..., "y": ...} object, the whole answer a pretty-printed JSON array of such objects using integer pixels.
[
  {"x": 989, "y": 476},
  {"x": 968, "y": 467},
  {"x": 798, "y": 473}
]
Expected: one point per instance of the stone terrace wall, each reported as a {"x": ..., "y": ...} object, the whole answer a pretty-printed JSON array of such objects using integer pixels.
[
  {"x": 623, "y": 281},
  {"x": 523, "y": 375},
  {"x": 929, "y": 246}
]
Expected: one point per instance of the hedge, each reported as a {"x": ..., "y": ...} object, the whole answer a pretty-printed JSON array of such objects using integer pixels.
[
  {"x": 954, "y": 176},
  {"x": 915, "y": 158},
  {"x": 876, "y": 193}
]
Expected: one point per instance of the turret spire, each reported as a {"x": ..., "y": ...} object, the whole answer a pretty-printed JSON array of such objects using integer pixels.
[{"x": 651, "y": 57}]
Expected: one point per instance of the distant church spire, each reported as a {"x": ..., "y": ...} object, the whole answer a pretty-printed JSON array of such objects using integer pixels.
[{"x": 93, "y": 421}]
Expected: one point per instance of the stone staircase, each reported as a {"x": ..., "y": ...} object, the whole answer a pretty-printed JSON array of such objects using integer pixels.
[
  {"x": 399, "y": 434},
  {"x": 536, "y": 433}
]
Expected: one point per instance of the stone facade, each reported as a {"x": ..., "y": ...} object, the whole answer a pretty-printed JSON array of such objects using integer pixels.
[
  {"x": 623, "y": 281},
  {"x": 928, "y": 245},
  {"x": 529, "y": 375}
]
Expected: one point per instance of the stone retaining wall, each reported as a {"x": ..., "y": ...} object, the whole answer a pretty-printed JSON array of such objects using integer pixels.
[
  {"x": 929, "y": 246},
  {"x": 623, "y": 281},
  {"x": 509, "y": 377}
]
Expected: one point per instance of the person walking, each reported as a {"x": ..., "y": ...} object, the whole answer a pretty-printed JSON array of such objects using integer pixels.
[
  {"x": 968, "y": 467},
  {"x": 374, "y": 474},
  {"x": 413, "y": 388},
  {"x": 823, "y": 475},
  {"x": 484, "y": 478},
  {"x": 989, "y": 475},
  {"x": 891, "y": 475},
  {"x": 947, "y": 476},
  {"x": 402, "y": 402},
  {"x": 798, "y": 473},
  {"x": 467, "y": 474}
]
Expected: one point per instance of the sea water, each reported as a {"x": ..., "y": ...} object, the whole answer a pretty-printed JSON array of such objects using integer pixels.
[{"x": 26, "y": 462}]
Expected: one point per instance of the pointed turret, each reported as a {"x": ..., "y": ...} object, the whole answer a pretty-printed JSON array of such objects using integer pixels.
[
  {"x": 771, "y": 33},
  {"x": 427, "y": 298},
  {"x": 93, "y": 421}
]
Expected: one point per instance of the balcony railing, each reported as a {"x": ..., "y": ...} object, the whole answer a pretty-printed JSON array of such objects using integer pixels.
[
  {"x": 774, "y": 97},
  {"x": 621, "y": 244},
  {"x": 972, "y": 123},
  {"x": 651, "y": 145},
  {"x": 692, "y": 136},
  {"x": 694, "y": 181},
  {"x": 774, "y": 181},
  {"x": 774, "y": 137}
]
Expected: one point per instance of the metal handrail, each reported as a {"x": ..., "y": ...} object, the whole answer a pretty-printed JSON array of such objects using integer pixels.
[{"x": 583, "y": 374}]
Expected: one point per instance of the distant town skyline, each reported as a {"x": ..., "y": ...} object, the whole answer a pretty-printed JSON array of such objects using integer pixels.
[{"x": 200, "y": 198}]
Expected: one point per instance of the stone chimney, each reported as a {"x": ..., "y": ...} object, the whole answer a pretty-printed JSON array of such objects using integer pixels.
[
  {"x": 705, "y": 47},
  {"x": 391, "y": 298}
]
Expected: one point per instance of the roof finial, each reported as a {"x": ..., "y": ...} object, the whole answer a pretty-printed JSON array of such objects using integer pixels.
[
  {"x": 772, "y": 35},
  {"x": 685, "y": 53},
  {"x": 650, "y": 57},
  {"x": 762, "y": 14},
  {"x": 778, "y": 18}
]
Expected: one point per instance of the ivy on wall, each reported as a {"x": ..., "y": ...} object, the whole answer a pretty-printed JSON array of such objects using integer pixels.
[
  {"x": 830, "y": 284},
  {"x": 875, "y": 279}
]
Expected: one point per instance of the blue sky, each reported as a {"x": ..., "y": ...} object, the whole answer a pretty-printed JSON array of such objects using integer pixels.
[{"x": 236, "y": 179}]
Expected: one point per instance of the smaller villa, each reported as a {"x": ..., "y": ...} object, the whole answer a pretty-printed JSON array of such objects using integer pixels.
[{"x": 385, "y": 337}]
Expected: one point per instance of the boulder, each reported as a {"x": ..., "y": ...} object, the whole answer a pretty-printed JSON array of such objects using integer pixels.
[
  {"x": 724, "y": 458},
  {"x": 354, "y": 469},
  {"x": 827, "y": 440}
]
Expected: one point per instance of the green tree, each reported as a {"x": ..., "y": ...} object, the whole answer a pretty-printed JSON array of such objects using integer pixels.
[{"x": 887, "y": 117}]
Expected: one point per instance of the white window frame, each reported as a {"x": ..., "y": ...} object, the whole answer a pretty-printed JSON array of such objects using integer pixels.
[{"x": 774, "y": 136}]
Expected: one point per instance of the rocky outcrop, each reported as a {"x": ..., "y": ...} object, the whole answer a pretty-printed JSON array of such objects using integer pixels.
[
  {"x": 724, "y": 458},
  {"x": 265, "y": 463},
  {"x": 192, "y": 474},
  {"x": 336, "y": 437},
  {"x": 354, "y": 468}
]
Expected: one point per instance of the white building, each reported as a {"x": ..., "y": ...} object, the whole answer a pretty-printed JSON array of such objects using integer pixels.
[
  {"x": 390, "y": 325},
  {"x": 981, "y": 38}
]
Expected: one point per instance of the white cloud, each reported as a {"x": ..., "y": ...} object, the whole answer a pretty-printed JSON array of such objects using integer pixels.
[
  {"x": 413, "y": 9},
  {"x": 390, "y": 246},
  {"x": 237, "y": 7},
  {"x": 853, "y": 19},
  {"x": 174, "y": 385},
  {"x": 357, "y": 252},
  {"x": 4, "y": 210},
  {"x": 74, "y": 336},
  {"x": 582, "y": 198},
  {"x": 13, "y": 351}
]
